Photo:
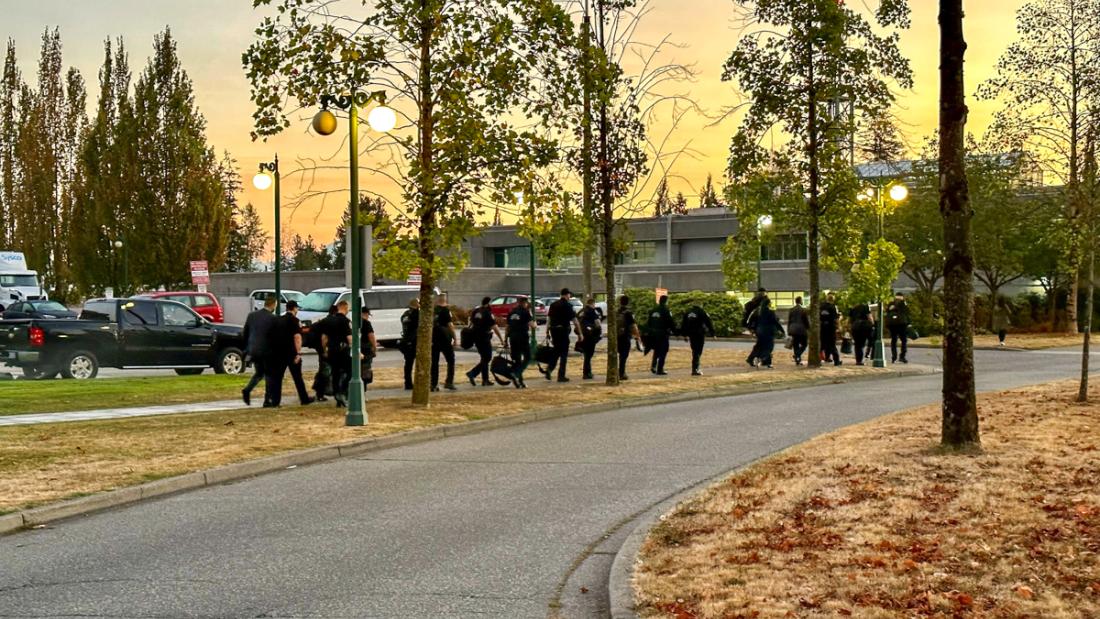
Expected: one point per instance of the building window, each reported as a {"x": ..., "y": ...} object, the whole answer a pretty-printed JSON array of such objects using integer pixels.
[
  {"x": 785, "y": 247},
  {"x": 640, "y": 252},
  {"x": 512, "y": 257}
]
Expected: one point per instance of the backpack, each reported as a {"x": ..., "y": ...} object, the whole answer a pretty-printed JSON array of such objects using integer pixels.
[{"x": 621, "y": 328}]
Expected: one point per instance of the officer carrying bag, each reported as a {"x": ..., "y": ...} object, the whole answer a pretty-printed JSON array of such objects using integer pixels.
[{"x": 466, "y": 338}]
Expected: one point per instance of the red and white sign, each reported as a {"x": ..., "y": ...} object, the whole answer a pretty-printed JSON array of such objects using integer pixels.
[
  {"x": 415, "y": 278},
  {"x": 200, "y": 272},
  {"x": 661, "y": 292}
]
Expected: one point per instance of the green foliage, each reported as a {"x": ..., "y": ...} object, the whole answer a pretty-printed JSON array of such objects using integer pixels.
[
  {"x": 247, "y": 239},
  {"x": 558, "y": 230},
  {"x": 872, "y": 277},
  {"x": 725, "y": 311}
]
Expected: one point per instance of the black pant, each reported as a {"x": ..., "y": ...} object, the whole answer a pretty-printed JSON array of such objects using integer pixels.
[
  {"x": 408, "y": 350},
  {"x": 659, "y": 346},
  {"x": 299, "y": 384},
  {"x": 799, "y": 343},
  {"x": 899, "y": 332},
  {"x": 697, "y": 341},
  {"x": 521, "y": 356},
  {"x": 765, "y": 344},
  {"x": 322, "y": 380},
  {"x": 828, "y": 343},
  {"x": 340, "y": 363},
  {"x": 624, "y": 354},
  {"x": 559, "y": 339},
  {"x": 448, "y": 351},
  {"x": 484, "y": 345},
  {"x": 588, "y": 346},
  {"x": 274, "y": 370},
  {"x": 257, "y": 376},
  {"x": 864, "y": 335},
  {"x": 1001, "y": 335}
]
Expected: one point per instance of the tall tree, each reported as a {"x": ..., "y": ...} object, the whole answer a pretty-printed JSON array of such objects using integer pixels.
[
  {"x": 960, "y": 408},
  {"x": 1091, "y": 219},
  {"x": 180, "y": 209},
  {"x": 708, "y": 198},
  {"x": 798, "y": 58},
  {"x": 662, "y": 204},
  {"x": 879, "y": 140},
  {"x": 11, "y": 84},
  {"x": 465, "y": 73},
  {"x": 680, "y": 204},
  {"x": 1047, "y": 80},
  {"x": 247, "y": 240}
]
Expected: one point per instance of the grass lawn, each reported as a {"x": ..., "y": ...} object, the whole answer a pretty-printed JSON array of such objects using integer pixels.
[
  {"x": 1025, "y": 341},
  {"x": 876, "y": 521},
  {"x": 55, "y": 396},
  {"x": 43, "y": 463}
]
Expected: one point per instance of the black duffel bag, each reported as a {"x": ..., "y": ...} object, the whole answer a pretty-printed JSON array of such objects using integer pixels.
[
  {"x": 466, "y": 338},
  {"x": 545, "y": 354}
]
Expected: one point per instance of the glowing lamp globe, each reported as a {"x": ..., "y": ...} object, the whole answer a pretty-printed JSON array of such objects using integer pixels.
[
  {"x": 764, "y": 221},
  {"x": 261, "y": 181},
  {"x": 324, "y": 123},
  {"x": 382, "y": 119},
  {"x": 899, "y": 193}
]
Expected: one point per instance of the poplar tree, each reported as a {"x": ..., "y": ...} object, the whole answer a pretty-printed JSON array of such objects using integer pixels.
[{"x": 11, "y": 84}]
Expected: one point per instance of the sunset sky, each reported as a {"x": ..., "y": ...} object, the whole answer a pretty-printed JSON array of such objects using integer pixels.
[{"x": 211, "y": 35}]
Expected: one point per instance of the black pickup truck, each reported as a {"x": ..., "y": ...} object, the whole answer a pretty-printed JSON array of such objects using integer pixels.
[{"x": 122, "y": 333}]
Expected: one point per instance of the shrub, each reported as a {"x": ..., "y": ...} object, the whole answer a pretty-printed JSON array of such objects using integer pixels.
[{"x": 725, "y": 311}]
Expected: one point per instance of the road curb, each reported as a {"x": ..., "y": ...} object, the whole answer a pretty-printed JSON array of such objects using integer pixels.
[{"x": 55, "y": 512}]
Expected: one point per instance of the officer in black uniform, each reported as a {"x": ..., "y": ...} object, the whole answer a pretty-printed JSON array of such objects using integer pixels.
[
  {"x": 695, "y": 327},
  {"x": 484, "y": 326},
  {"x": 748, "y": 321},
  {"x": 592, "y": 330},
  {"x": 560, "y": 316},
  {"x": 291, "y": 331},
  {"x": 659, "y": 327},
  {"x": 322, "y": 380},
  {"x": 626, "y": 331},
  {"x": 829, "y": 318},
  {"x": 336, "y": 338},
  {"x": 443, "y": 343},
  {"x": 520, "y": 327},
  {"x": 863, "y": 329},
  {"x": 368, "y": 347},
  {"x": 410, "y": 323},
  {"x": 897, "y": 321}
]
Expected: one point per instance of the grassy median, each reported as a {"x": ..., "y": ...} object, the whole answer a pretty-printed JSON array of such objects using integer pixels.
[
  {"x": 877, "y": 521},
  {"x": 43, "y": 463}
]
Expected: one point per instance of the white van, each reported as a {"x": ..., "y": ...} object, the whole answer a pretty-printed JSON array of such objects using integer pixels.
[
  {"x": 259, "y": 297},
  {"x": 386, "y": 304},
  {"x": 17, "y": 282}
]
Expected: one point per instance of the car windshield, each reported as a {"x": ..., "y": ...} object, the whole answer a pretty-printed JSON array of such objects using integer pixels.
[
  {"x": 48, "y": 306},
  {"x": 29, "y": 281},
  {"x": 296, "y": 296},
  {"x": 318, "y": 301}
]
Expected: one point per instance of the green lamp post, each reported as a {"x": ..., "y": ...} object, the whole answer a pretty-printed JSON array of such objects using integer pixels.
[{"x": 269, "y": 175}]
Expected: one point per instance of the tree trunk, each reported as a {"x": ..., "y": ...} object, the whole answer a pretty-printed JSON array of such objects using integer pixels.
[
  {"x": 1090, "y": 286},
  {"x": 422, "y": 382},
  {"x": 586, "y": 159},
  {"x": 815, "y": 218},
  {"x": 960, "y": 409},
  {"x": 607, "y": 255}
]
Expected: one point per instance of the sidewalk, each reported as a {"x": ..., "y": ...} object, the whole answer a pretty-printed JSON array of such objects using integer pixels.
[{"x": 534, "y": 381}]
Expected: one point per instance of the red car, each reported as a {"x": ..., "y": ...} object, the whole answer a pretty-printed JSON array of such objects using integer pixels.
[
  {"x": 503, "y": 305},
  {"x": 204, "y": 303}
]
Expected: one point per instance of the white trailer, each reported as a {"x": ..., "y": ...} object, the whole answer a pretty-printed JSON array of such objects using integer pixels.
[{"x": 17, "y": 282}]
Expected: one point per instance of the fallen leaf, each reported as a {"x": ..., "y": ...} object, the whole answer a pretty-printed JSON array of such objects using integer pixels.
[{"x": 1025, "y": 592}]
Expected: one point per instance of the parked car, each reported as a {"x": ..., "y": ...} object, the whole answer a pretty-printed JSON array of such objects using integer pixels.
[
  {"x": 386, "y": 304},
  {"x": 204, "y": 303},
  {"x": 259, "y": 296},
  {"x": 503, "y": 305},
  {"x": 38, "y": 309},
  {"x": 575, "y": 302},
  {"x": 125, "y": 334}
]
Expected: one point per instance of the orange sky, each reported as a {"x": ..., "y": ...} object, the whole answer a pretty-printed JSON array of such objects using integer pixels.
[{"x": 213, "y": 33}]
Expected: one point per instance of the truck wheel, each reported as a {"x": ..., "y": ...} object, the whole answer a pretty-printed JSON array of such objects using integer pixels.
[
  {"x": 38, "y": 372},
  {"x": 230, "y": 361},
  {"x": 189, "y": 371},
  {"x": 79, "y": 364}
]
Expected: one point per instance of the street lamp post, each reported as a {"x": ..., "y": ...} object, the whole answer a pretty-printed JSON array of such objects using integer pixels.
[
  {"x": 531, "y": 267},
  {"x": 382, "y": 119},
  {"x": 898, "y": 193},
  {"x": 765, "y": 221},
  {"x": 121, "y": 244},
  {"x": 263, "y": 181}
]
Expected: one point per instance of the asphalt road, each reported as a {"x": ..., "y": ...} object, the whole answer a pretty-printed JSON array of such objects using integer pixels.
[{"x": 508, "y": 523}]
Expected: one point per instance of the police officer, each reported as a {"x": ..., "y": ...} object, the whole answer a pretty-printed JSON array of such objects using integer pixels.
[
  {"x": 659, "y": 328},
  {"x": 484, "y": 326},
  {"x": 410, "y": 323},
  {"x": 592, "y": 330},
  {"x": 322, "y": 380},
  {"x": 829, "y": 318},
  {"x": 259, "y": 336},
  {"x": 443, "y": 343},
  {"x": 368, "y": 347},
  {"x": 897, "y": 321},
  {"x": 767, "y": 328},
  {"x": 748, "y": 321},
  {"x": 798, "y": 327},
  {"x": 695, "y": 327},
  {"x": 521, "y": 326},
  {"x": 859, "y": 318},
  {"x": 560, "y": 316},
  {"x": 336, "y": 339},
  {"x": 626, "y": 331},
  {"x": 291, "y": 332}
]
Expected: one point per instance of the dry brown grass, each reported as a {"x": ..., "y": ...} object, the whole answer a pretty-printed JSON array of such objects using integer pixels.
[
  {"x": 43, "y": 463},
  {"x": 876, "y": 521},
  {"x": 1025, "y": 341}
]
